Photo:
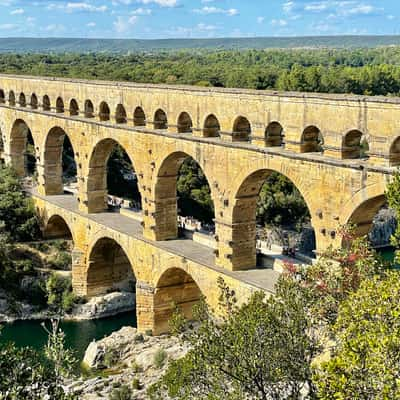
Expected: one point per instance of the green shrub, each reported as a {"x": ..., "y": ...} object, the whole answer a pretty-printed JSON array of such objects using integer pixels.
[
  {"x": 61, "y": 261},
  {"x": 122, "y": 393},
  {"x": 111, "y": 358},
  {"x": 136, "y": 384},
  {"x": 159, "y": 358}
]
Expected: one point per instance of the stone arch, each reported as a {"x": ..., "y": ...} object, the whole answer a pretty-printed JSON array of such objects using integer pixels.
[
  {"x": 2, "y": 96},
  {"x": 185, "y": 124},
  {"x": 139, "y": 117},
  {"x": 97, "y": 178},
  {"x": 89, "y": 109},
  {"x": 34, "y": 103},
  {"x": 22, "y": 100},
  {"x": 212, "y": 127},
  {"x": 120, "y": 115},
  {"x": 311, "y": 140},
  {"x": 57, "y": 228},
  {"x": 274, "y": 134},
  {"x": 243, "y": 239},
  {"x": 104, "y": 111},
  {"x": 53, "y": 161},
  {"x": 73, "y": 108},
  {"x": 46, "y": 105},
  {"x": 20, "y": 137},
  {"x": 241, "y": 130},
  {"x": 109, "y": 268},
  {"x": 394, "y": 153},
  {"x": 352, "y": 145},
  {"x": 165, "y": 193},
  {"x": 11, "y": 98},
  {"x": 160, "y": 120},
  {"x": 175, "y": 288},
  {"x": 59, "y": 105}
]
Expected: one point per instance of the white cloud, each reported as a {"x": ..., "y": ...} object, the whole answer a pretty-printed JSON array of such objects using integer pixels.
[
  {"x": 142, "y": 11},
  {"x": 123, "y": 25},
  {"x": 18, "y": 11},
  {"x": 8, "y": 27},
  {"x": 77, "y": 7},
  {"x": 278, "y": 22},
  {"x": 215, "y": 10},
  {"x": 260, "y": 20},
  {"x": 162, "y": 3},
  {"x": 91, "y": 24}
]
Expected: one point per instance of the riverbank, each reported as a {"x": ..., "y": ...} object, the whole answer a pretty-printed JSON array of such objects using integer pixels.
[{"x": 97, "y": 307}]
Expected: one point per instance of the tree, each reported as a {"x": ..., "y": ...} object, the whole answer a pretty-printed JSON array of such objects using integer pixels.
[
  {"x": 365, "y": 362},
  {"x": 393, "y": 196},
  {"x": 17, "y": 211},
  {"x": 260, "y": 350}
]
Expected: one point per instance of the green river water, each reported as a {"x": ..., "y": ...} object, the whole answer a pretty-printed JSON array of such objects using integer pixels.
[{"x": 78, "y": 333}]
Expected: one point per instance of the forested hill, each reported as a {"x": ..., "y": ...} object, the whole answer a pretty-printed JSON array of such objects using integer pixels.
[{"x": 62, "y": 45}]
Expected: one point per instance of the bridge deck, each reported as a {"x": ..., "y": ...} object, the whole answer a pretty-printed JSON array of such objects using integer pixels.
[{"x": 260, "y": 278}]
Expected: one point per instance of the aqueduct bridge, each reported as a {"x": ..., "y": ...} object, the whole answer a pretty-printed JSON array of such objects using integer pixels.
[{"x": 237, "y": 137}]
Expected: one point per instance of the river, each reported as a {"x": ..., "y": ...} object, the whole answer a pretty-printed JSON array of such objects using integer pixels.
[{"x": 78, "y": 333}]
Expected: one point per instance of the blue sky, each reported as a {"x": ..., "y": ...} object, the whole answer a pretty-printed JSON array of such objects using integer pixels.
[{"x": 149, "y": 19}]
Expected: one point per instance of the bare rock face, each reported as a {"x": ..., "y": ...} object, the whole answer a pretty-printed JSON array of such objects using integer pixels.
[{"x": 127, "y": 356}]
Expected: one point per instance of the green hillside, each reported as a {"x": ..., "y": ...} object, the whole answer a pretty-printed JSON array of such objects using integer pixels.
[{"x": 132, "y": 45}]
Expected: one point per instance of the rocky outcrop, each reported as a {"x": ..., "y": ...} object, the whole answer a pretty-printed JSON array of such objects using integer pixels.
[
  {"x": 104, "y": 306},
  {"x": 127, "y": 358}
]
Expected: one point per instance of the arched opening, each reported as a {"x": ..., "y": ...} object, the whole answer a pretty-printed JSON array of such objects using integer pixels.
[
  {"x": 139, "y": 117},
  {"x": 22, "y": 149},
  {"x": 185, "y": 124},
  {"x": 104, "y": 111},
  {"x": 89, "y": 109},
  {"x": 274, "y": 135},
  {"x": 73, "y": 108},
  {"x": 212, "y": 127},
  {"x": 311, "y": 140},
  {"x": 109, "y": 269},
  {"x": 22, "y": 100},
  {"x": 394, "y": 153},
  {"x": 160, "y": 120},
  {"x": 120, "y": 115},
  {"x": 2, "y": 97},
  {"x": 34, "y": 101},
  {"x": 241, "y": 130},
  {"x": 11, "y": 98},
  {"x": 59, "y": 162},
  {"x": 59, "y": 105},
  {"x": 182, "y": 190},
  {"x": 175, "y": 288},
  {"x": 112, "y": 181},
  {"x": 269, "y": 212},
  {"x": 57, "y": 228},
  {"x": 46, "y": 103},
  {"x": 354, "y": 145}
]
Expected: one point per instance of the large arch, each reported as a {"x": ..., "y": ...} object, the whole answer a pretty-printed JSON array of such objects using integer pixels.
[
  {"x": 351, "y": 145},
  {"x": 274, "y": 134},
  {"x": 139, "y": 117},
  {"x": 53, "y": 160},
  {"x": 311, "y": 140},
  {"x": 185, "y": 124},
  {"x": 109, "y": 269},
  {"x": 241, "y": 130},
  {"x": 212, "y": 127},
  {"x": 23, "y": 159},
  {"x": 160, "y": 120},
  {"x": 175, "y": 288},
  {"x": 120, "y": 115},
  {"x": 165, "y": 193},
  {"x": 104, "y": 111},
  {"x": 97, "y": 188},
  {"x": 244, "y": 218},
  {"x": 57, "y": 228}
]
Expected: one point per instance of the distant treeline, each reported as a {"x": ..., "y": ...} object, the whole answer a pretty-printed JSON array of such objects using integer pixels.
[{"x": 359, "y": 71}]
